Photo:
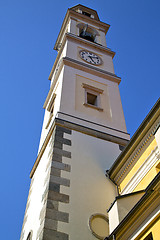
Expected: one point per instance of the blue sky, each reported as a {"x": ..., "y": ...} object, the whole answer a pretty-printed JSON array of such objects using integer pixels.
[{"x": 28, "y": 31}]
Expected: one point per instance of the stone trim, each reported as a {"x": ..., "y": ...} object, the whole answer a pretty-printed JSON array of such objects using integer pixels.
[
  {"x": 91, "y": 69},
  {"x": 50, "y": 214},
  {"x": 60, "y": 180},
  {"x": 62, "y": 166},
  {"x": 58, "y": 197},
  {"x": 49, "y": 234}
]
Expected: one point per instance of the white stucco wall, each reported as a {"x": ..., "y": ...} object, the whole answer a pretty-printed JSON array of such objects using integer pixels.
[
  {"x": 68, "y": 100},
  {"x": 90, "y": 191},
  {"x": 57, "y": 90},
  {"x": 35, "y": 198}
]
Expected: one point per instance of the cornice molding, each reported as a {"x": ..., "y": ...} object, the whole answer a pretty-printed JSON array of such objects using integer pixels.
[
  {"x": 97, "y": 23},
  {"x": 91, "y": 44},
  {"x": 76, "y": 127},
  {"x": 91, "y": 69},
  {"x": 135, "y": 156},
  {"x": 142, "y": 171},
  {"x": 133, "y": 149}
]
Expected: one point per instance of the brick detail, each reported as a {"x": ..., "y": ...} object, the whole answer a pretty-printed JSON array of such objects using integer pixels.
[
  {"x": 55, "y": 172},
  {"x": 58, "y": 197},
  {"x": 57, "y": 157},
  {"x": 50, "y": 214},
  {"x": 52, "y": 204},
  {"x": 49, "y": 234},
  {"x": 54, "y": 187},
  {"x": 60, "y": 180},
  {"x": 62, "y": 166},
  {"x": 63, "y": 140},
  {"x": 57, "y": 215},
  {"x": 50, "y": 224},
  {"x": 61, "y": 152}
]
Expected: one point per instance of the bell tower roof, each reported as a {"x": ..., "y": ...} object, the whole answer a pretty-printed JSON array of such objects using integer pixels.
[{"x": 86, "y": 11}]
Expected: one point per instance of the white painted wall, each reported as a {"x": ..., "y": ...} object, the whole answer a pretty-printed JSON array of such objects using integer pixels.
[
  {"x": 90, "y": 191},
  {"x": 121, "y": 208},
  {"x": 38, "y": 188},
  {"x": 68, "y": 100},
  {"x": 57, "y": 90}
]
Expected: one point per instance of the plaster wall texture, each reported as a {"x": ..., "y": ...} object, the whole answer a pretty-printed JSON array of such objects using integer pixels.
[
  {"x": 70, "y": 90},
  {"x": 57, "y": 90},
  {"x": 113, "y": 217},
  {"x": 126, "y": 204},
  {"x": 90, "y": 191},
  {"x": 37, "y": 190},
  {"x": 121, "y": 208},
  {"x": 58, "y": 59}
]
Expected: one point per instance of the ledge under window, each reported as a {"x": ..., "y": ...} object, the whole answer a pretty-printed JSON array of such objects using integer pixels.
[{"x": 93, "y": 106}]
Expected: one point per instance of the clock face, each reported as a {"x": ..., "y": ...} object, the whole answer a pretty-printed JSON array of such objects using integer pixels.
[{"x": 90, "y": 57}]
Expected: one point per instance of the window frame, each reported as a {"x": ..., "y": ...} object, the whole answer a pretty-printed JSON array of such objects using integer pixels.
[
  {"x": 94, "y": 91},
  {"x": 50, "y": 109}
]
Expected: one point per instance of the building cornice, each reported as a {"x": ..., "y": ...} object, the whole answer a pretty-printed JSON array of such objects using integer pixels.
[
  {"x": 91, "y": 44},
  {"x": 79, "y": 128},
  {"x": 136, "y": 144},
  {"x": 91, "y": 69}
]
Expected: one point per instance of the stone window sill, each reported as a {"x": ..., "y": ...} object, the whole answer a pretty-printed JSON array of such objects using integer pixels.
[{"x": 93, "y": 106}]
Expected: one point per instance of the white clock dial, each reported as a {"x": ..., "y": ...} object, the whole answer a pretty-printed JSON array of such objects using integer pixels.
[{"x": 90, "y": 57}]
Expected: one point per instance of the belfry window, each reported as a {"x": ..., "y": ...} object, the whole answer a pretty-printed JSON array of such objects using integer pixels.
[
  {"x": 86, "y": 14},
  {"x": 87, "y": 32}
]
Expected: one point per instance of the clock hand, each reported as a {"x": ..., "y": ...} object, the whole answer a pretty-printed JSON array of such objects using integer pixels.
[{"x": 91, "y": 59}]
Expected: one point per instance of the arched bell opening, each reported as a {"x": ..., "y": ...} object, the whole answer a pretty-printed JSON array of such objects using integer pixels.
[{"x": 87, "y": 32}]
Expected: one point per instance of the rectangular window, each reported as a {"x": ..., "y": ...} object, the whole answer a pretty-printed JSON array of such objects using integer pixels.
[
  {"x": 92, "y": 97},
  {"x": 50, "y": 108}
]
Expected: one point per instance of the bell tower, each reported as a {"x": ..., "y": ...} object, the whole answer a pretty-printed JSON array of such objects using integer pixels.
[{"x": 82, "y": 134}]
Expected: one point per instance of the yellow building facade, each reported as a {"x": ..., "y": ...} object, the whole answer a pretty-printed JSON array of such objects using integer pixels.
[{"x": 135, "y": 213}]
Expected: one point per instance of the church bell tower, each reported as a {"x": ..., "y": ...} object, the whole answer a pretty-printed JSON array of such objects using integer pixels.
[{"x": 83, "y": 133}]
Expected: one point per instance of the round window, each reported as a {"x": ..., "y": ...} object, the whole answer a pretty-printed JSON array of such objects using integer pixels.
[{"x": 99, "y": 225}]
